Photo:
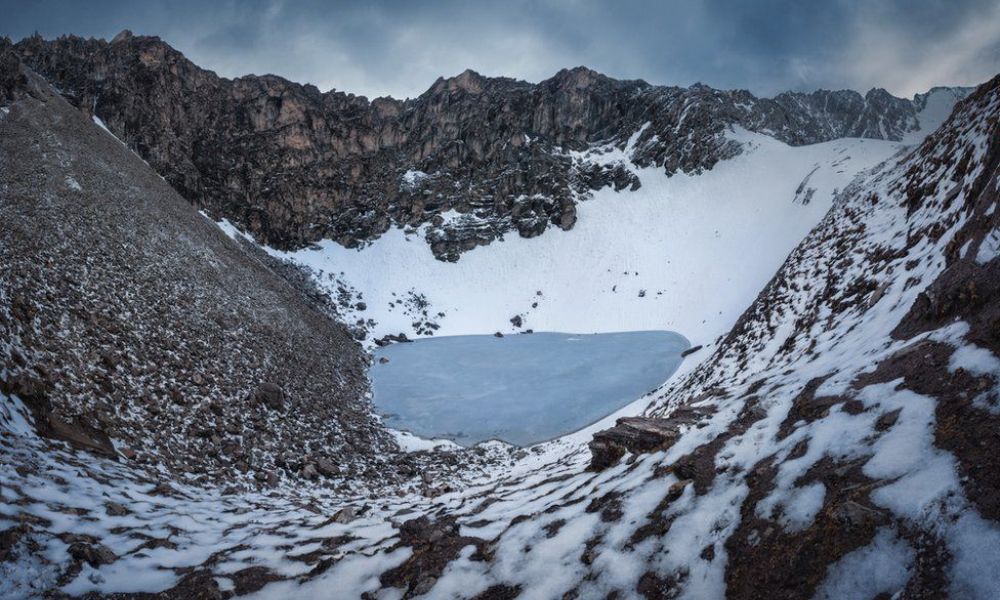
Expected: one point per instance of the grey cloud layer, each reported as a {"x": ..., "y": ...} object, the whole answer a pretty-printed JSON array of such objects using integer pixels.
[{"x": 399, "y": 48}]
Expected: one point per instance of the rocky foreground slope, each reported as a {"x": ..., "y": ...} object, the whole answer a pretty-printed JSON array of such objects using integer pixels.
[
  {"x": 126, "y": 315},
  {"x": 292, "y": 165},
  {"x": 840, "y": 442}
]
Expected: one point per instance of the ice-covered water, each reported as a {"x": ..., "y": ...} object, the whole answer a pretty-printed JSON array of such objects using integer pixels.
[{"x": 520, "y": 388}]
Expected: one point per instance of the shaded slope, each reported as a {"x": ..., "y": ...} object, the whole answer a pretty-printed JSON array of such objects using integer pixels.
[{"x": 127, "y": 314}]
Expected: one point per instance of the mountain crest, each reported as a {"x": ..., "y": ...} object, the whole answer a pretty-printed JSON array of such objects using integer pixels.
[{"x": 311, "y": 166}]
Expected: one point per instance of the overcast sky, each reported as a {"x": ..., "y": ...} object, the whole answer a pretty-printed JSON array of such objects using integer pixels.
[{"x": 399, "y": 48}]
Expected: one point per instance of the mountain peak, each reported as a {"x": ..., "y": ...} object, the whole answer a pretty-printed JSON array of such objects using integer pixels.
[
  {"x": 123, "y": 36},
  {"x": 467, "y": 81},
  {"x": 578, "y": 77}
]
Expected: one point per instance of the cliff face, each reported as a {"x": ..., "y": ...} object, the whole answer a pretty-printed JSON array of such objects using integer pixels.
[{"x": 292, "y": 165}]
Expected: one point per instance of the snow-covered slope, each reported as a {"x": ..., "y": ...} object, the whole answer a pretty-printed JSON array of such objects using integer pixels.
[
  {"x": 846, "y": 441},
  {"x": 685, "y": 253}
]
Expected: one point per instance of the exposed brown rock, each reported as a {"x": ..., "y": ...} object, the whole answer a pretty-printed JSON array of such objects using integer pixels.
[
  {"x": 639, "y": 435},
  {"x": 766, "y": 561},
  {"x": 435, "y": 544},
  {"x": 93, "y": 554}
]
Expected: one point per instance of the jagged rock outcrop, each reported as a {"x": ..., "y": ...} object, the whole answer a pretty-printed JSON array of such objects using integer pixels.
[
  {"x": 472, "y": 159},
  {"x": 640, "y": 435}
]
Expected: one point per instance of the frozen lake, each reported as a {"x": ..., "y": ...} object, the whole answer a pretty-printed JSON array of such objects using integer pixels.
[{"x": 521, "y": 389}]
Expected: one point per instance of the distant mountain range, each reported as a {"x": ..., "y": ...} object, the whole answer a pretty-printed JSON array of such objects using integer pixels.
[{"x": 292, "y": 165}]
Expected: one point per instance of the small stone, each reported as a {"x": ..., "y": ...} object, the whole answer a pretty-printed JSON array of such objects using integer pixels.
[
  {"x": 424, "y": 585},
  {"x": 344, "y": 515},
  {"x": 115, "y": 509},
  {"x": 270, "y": 395},
  {"x": 93, "y": 554},
  {"x": 326, "y": 467}
]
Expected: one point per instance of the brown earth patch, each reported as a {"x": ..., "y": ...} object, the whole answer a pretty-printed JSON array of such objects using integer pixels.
[
  {"x": 765, "y": 561},
  {"x": 434, "y": 544}
]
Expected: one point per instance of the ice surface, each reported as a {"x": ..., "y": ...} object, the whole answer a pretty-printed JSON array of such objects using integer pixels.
[{"x": 520, "y": 388}]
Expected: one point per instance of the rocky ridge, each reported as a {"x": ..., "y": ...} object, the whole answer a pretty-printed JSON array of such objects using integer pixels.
[{"x": 470, "y": 160}]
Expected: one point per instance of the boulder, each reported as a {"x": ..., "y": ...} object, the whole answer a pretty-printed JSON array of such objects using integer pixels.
[
  {"x": 269, "y": 395},
  {"x": 639, "y": 435}
]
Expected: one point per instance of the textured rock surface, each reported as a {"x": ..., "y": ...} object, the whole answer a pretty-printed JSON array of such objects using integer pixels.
[
  {"x": 292, "y": 165},
  {"x": 640, "y": 435}
]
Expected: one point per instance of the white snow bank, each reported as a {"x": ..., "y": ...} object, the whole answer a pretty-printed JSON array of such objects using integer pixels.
[
  {"x": 989, "y": 248},
  {"x": 686, "y": 253}
]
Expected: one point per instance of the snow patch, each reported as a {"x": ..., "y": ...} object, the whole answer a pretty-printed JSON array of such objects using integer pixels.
[
  {"x": 882, "y": 567},
  {"x": 409, "y": 442},
  {"x": 412, "y": 179},
  {"x": 989, "y": 248}
]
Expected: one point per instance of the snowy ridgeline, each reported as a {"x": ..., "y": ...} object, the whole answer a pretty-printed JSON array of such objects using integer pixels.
[{"x": 686, "y": 253}]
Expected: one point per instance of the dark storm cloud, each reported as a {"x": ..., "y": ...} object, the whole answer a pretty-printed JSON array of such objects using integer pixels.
[{"x": 400, "y": 48}]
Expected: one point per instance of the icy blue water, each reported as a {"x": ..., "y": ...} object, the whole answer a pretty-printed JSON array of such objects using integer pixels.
[{"x": 520, "y": 388}]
